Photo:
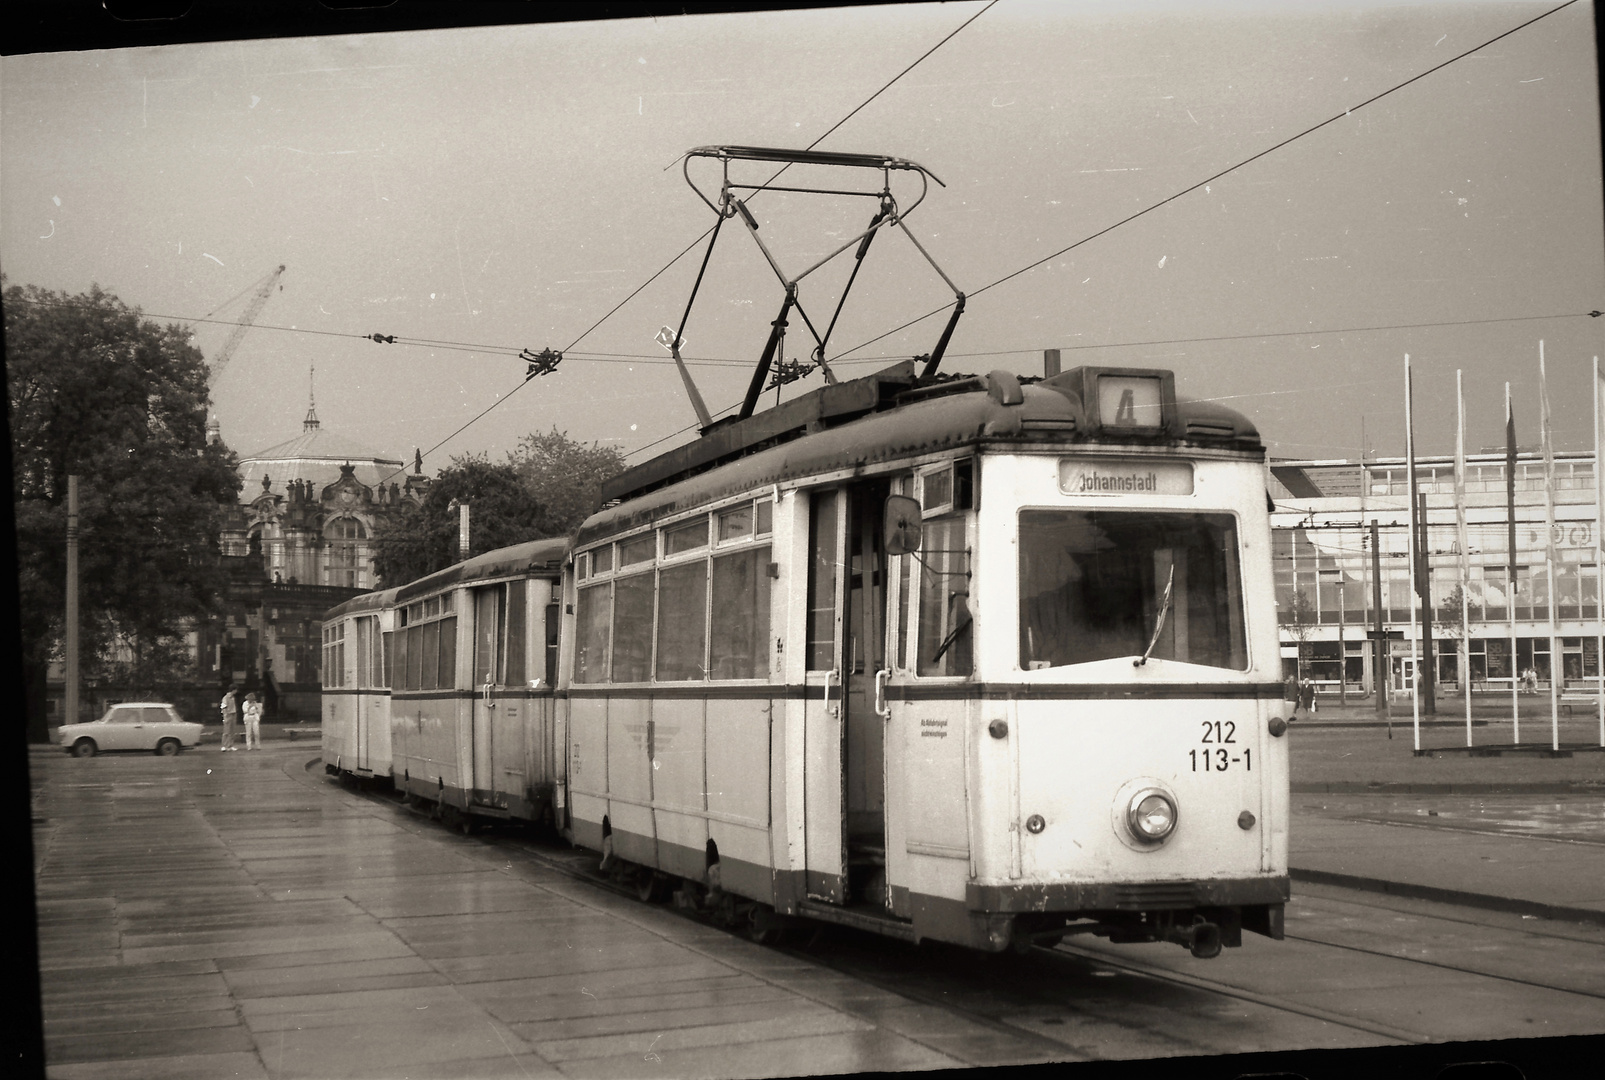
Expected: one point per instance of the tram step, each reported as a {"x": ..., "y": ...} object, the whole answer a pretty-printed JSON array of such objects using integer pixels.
[{"x": 875, "y": 920}]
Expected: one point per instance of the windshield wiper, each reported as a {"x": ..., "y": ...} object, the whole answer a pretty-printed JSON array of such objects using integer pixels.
[
  {"x": 1159, "y": 623},
  {"x": 953, "y": 635}
]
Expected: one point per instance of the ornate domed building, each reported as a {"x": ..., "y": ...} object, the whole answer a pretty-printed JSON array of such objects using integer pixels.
[
  {"x": 299, "y": 542},
  {"x": 309, "y": 506}
]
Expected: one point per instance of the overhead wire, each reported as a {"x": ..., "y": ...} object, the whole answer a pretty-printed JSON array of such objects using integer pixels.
[
  {"x": 842, "y": 357},
  {"x": 1211, "y": 179},
  {"x": 699, "y": 239}
]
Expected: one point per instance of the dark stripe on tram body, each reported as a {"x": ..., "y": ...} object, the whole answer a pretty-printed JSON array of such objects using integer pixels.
[
  {"x": 946, "y": 691},
  {"x": 446, "y": 695},
  {"x": 1081, "y": 691}
]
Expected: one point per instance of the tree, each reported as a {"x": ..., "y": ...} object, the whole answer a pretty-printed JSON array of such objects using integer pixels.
[
  {"x": 422, "y": 537},
  {"x": 545, "y": 488},
  {"x": 565, "y": 477},
  {"x": 1447, "y": 620},
  {"x": 1300, "y": 620},
  {"x": 97, "y": 391}
]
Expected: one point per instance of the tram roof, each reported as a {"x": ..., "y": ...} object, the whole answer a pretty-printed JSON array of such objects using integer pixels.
[
  {"x": 885, "y": 417},
  {"x": 539, "y": 556},
  {"x": 368, "y": 601}
]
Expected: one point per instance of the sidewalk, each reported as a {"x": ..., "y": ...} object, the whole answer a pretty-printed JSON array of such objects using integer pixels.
[
  {"x": 1521, "y": 832},
  {"x": 311, "y": 734}
]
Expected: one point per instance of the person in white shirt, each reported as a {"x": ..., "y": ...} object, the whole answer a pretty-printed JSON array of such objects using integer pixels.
[
  {"x": 230, "y": 713},
  {"x": 253, "y": 722}
]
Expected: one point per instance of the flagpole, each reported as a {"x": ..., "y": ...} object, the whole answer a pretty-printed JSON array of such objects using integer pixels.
[
  {"x": 1510, "y": 584},
  {"x": 1599, "y": 548},
  {"x": 1465, "y": 557},
  {"x": 1556, "y": 660},
  {"x": 1410, "y": 472}
]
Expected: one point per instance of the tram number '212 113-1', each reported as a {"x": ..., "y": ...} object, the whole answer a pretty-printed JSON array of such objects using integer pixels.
[{"x": 1217, "y": 732}]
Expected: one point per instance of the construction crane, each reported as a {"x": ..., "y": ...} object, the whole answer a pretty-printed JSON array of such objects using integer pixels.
[{"x": 264, "y": 289}]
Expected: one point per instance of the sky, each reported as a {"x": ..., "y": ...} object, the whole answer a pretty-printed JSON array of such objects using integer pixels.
[{"x": 488, "y": 190}]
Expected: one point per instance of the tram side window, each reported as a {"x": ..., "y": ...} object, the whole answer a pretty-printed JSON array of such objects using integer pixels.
[
  {"x": 682, "y": 620},
  {"x": 514, "y": 674},
  {"x": 822, "y": 582},
  {"x": 429, "y": 652},
  {"x": 592, "y": 618},
  {"x": 632, "y": 627},
  {"x": 741, "y": 614},
  {"x": 388, "y": 672},
  {"x": 945, "y": 633},
  {"x": 399, "y": 666},
  {"x": 334, "y": 655},
  {"x": 651, "y": 620},
  {"x": 487, "y": 634},
  {"x": 415, "y": 657},
  {"x": 447, "y": 677},
  {"x": 1093, "y": 586},
  {"x": 552, "y": 623},
  {"x": 426, "y": 655},
  {"x": 364, "y": 629}
]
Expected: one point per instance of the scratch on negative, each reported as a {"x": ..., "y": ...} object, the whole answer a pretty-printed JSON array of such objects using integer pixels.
[{"x": 509, "y": 1049}]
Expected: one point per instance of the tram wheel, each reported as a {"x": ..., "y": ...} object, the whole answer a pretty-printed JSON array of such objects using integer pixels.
[
  {"x": 725, "y": 913},
  {"x": 652, "y": 887},
  {"x": 765, "y": 927}
]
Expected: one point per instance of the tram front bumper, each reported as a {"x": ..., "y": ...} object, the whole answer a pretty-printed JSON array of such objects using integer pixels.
[{"x": 1126, "y": 896}]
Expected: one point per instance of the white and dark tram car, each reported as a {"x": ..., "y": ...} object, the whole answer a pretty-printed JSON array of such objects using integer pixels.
[
  {"x": 356, "y": 686},
  {"x": 977, "y": 661},
  {"x": 459, "y": 669}
]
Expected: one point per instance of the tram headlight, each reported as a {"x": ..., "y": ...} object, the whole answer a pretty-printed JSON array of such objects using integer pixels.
[{"x": 1152, "y": 815}]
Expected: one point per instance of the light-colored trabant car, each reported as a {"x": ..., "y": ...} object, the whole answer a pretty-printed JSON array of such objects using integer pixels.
[{"x": 132, "y": 725}]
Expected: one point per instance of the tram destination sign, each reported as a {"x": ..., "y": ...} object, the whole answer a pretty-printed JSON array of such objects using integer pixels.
[{"x": 1124, "y": 476}]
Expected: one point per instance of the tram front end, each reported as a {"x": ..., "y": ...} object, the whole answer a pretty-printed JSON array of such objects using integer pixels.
[{"x": 1129, "y": 746}]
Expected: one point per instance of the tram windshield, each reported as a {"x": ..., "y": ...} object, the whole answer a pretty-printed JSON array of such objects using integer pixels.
[{"x": 1093, "y": 586}]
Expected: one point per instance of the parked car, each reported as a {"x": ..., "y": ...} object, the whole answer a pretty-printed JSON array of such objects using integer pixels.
[{"x": 132, "y": 725}]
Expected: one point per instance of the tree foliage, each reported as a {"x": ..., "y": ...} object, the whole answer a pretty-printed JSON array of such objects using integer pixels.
[
  {"x": 545, "y": 488},
  {"x": 565, "y": 477},
  {"x": 1300, "y": 620},
  {"x": 97, "y": 391},
  {"x": 1448, "y": 619}
]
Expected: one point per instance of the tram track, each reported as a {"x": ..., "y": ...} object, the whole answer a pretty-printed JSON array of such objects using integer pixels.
[
  {"x": 1051, "y": 1003},
  {"x": 1035, "y": 982}
]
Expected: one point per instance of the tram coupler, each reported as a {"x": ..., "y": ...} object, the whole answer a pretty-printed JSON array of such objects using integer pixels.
[{"x": 1201, "y": 938}]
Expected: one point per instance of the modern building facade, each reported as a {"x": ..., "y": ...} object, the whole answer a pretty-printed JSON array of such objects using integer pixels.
[{"x": 1329, "y": 578}]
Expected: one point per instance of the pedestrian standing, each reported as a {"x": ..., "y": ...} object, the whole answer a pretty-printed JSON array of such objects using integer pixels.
[
  {"x": 1292, "y": 692},
  {"x": 1307, "y": 696},
  {"x": 231, "y": 712},
  {"x": 253, "y": 722}
]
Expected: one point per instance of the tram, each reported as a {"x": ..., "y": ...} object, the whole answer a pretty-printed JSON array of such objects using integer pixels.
[
  {"x": 989, "y": 660},
  {"x": 459, "y": 667},
  {"x": 984, "y": 661},
  {"x": 356, "y": 688}
]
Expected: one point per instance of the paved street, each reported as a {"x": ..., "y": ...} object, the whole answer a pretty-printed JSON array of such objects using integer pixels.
[{"x": 242, "y": 915}]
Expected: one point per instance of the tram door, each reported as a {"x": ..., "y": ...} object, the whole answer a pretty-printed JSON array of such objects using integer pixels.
[
  {"x": 845, "y": 768},
  {"x": 864, "y": 641},
  {"x": 497, "y": 733},
  {"x": 825, "y": 822},
  {"x": 361, "y": 721}
]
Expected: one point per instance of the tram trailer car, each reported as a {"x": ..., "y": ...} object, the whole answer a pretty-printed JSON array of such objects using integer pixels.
[
  {"x": 472, "y": 717},
  {"x": 356, "y": 686},
  {"x": 970, "y": 660}
]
